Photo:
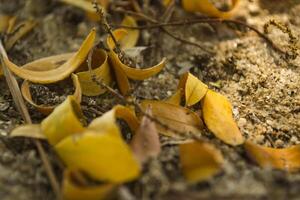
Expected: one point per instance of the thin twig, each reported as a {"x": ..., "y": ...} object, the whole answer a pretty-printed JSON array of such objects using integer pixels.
[
  {"x": 154, "y": 25},
  {"x": 209, "y": 21},
  {"x": 20, "y": 104}
]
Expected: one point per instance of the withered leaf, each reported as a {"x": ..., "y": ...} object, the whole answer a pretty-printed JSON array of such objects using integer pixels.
[
  {"x": 145, "y": 142},
  {"x": 103, "y": 156},
  {"x": 285, "y": 159},
  {"x": 132, "y": 35},
  {"x": 194, "y": 89},
  {"x": 174, "y": 116},
  {"x": 59, "y": 73},
  {"x": 101, "y": 70},
  {"x": 63, "y": 121},
  {"x": 207, "y": 7},
  {"x": 28, "y": 130},
  {"x": 74, "y": 189},
  {"x": 217, "y": 115},
  {"x": 46, "y": 110},
  {"x": 199, "y": 161}
]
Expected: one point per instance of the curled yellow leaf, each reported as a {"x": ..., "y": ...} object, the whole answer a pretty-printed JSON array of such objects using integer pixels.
[
  {"x": 63, "y": 121},
  {"x": 101, "y": 71},
  {"x": 48, "y": 63},
  {"x": 200, "y": 161},
  {"x": 121, "y": 77},
  {"x": 207, "y": 8},
  {"x": 27, "y": 26},
  {"x": 4, "y": 21},
  {"x": 132, "y": 36},
  {"x": 194, "y": 89},
  {"x": 28, "y": 130},
  {"x": 174, "y": 116},
  {"x": 285, "y": 159},
  {"x": 128, "y": 115},
  {"x": 74, "y": 189},
  {"x": 102, "y": 156},
  {"x": 217, "y": 115},
  {"x": 46, "y": 110},
  {"x": 175, "y": 98},
  {"x": 59, "y": 73}
]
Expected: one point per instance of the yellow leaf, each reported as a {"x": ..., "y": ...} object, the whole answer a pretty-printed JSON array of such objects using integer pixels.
[
  {"x": 194, "y": 89},
  {"x": 28, "y": 130},
  {"x": 46, "y": 110},
  {"x": 285, "y": 159},
  {"x": 207, "y": 8},
  {"x": 176, "y": 117},
  {"x": 107, "y": 122},
  {"x": 102, "y": 156},
  {"x": 217, "y": 114},
  {"x": 141, "y": 74},
  {"x": 59, "y": 73},
  {"x": 122, "y": 71},
  {"x": 175, "y": 98},
  {"x": 128, "y": 115},
  {"x": 72, "y": 190},
  {"x": 132, "y": 36},
  {"x": 48, "y": 63},
  {"x": 63, "y": 121},
  {"x": 121, "y": 77},
  {"x": 27, "y": 26},
  {"x": 4, "y": 20},
  {"x": 101, "y": 71},
  {"x": 200, "y": 161}
]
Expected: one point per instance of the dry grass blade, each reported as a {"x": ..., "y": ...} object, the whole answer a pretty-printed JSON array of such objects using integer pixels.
[{"x": 15, "y": 91}]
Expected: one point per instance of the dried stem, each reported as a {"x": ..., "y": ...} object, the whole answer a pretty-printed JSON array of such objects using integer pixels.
[
  {"x": 201, "y": 21},
  {"x": 19, "y": 101}
]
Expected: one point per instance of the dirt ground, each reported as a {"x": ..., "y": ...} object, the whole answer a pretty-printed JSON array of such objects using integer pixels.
[{"x": 263, "y": 89}]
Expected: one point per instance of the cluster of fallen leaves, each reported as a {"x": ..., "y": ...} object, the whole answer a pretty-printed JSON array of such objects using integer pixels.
[{"x": 96, "y": 156}]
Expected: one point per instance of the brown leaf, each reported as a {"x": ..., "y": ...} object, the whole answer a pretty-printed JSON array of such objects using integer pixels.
[
  {"x": 285, "y": 159},
  {"x": 176, "y": 117},
  {"x": 145, "y": 142},
  {"x": 200, "y": 161}
]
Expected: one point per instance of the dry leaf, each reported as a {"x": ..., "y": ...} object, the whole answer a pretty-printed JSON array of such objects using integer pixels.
[
  {"x": 208, "y": 8},
  {"x": 46, "y": 110},
  {"x": 28, "y": 130},
  {"x": 27, "y": 26},
  {"x": 59, "y": 73},
  {"x": 101, "y": 155},
  {"x": 128, "y": 115},
  {"x": 101, "y": 70},
  {"x": 74, "y": 189},
  {"x": 176, "y": 117},
  {"x": 285, "y": 159},
  {"x": 48, "y": 63},
  {"x": 175, "y": 98},
  {"x": 194, "y": 89},
  {"x": 200, "y": 161},
  {"x": 4, "y": 21},
  {"x": 145, "y": 143},
  {"x": 122, "y": 71},
  {"x": 63, "y": 121},
  {"x": 217, "y": 114},
  {"x": 132, "y": 35}
]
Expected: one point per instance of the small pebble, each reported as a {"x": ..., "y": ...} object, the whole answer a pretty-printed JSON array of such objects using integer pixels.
[
  {"x": 260, "y": 139},
  {"x": 242, "y": 122},
  {"x": 7, "y": 157},
  {"x": 279, "y": 143},
  {"x": 294, "y": 139}
]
